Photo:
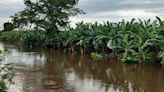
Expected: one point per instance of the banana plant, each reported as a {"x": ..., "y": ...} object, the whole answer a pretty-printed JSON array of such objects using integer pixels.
[
  {"x": 73, "y": 38},
  {"x": 86, "y": 37},
  {"x": 143, "y": 42},
  {"x": 34, "y": 38},
  {"x": 105, "y": 36},
  {"x": 127, "y": 45},
  {"x": 161, "y": 53}
]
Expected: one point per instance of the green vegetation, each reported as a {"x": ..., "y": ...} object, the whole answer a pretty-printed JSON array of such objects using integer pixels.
[
  {"x": 96, "y": 56},
  {"x": 51, "y": 15},
  {"x": 8, "y": 26},
  {"x": 11, "y": 35},
  {"x": 132, "y": 42},
  {"x": 6, "y": 74}
]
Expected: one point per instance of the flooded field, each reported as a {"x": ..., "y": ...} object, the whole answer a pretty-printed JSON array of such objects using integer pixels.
[{"x": 40, "y": 70}]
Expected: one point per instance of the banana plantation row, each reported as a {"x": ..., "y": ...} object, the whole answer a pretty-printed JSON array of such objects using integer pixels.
[{"x": 132, "y": 42}]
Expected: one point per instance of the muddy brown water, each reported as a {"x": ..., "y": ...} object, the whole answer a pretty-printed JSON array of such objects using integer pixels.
[{"x": 60, "y": 71}]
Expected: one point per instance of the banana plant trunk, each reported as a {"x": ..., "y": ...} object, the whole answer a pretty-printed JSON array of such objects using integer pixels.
[
  {"x": 103, "y": 48},
  {"x": 81, "y": 49},
  {"x": 72, "y": 48}
]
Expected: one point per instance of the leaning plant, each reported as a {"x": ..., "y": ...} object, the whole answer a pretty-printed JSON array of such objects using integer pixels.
[{"x": 6, "y": 74}]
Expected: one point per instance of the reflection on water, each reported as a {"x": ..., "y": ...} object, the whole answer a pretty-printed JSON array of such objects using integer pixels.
[{"x": 59, "y": 71}]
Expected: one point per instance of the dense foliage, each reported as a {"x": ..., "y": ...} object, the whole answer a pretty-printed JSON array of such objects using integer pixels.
[
  {"x": 52, "y": 15},
  {"x": 133, "y": 42},
  {"x": 8, "y": 26}
]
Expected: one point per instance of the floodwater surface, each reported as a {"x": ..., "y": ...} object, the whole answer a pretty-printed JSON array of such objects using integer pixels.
[{"x": 50, "y": 70}]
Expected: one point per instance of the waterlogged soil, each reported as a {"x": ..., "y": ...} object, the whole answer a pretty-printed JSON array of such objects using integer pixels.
[{"x": 60, "y": 71}]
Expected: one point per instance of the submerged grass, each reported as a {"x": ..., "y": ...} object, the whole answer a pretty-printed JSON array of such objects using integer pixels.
[{"x": 96, "y": 56}]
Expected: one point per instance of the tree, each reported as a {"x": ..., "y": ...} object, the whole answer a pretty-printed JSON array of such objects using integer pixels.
[
  {"x": 51, "y": 15},
  {"x": 8, "y": 26}
]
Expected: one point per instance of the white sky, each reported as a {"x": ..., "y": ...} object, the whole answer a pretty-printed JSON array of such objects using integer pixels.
[{"x": 97, "y": 10}]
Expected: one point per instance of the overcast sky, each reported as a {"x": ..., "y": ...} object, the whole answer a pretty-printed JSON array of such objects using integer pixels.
[{"x": 98, "y": 10}]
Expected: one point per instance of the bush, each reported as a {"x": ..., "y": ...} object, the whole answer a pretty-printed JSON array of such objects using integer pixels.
[
  {"x": 11, "y": 36},
  {"x": 6, "y": 74},
  {"x": 8, "y": 26}
]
